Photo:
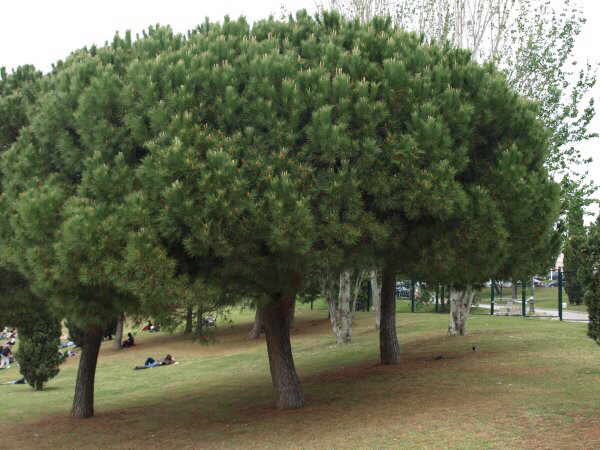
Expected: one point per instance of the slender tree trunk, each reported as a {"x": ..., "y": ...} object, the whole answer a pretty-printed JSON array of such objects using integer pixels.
[
  {"x": 83, "y": 400},
  {"x": 340, "y": 312},
  {"x": 199, "y": 322},
  {"x": 389, "y": 348},
  {"x": 257, "y": 328},
  {"x": 276, "y": 316},
  {"x": 189, "y": 318},
  {"x": 376, "y": 296},
  {"x": 460, "y": 306},
  {"x": 119, "y": 332}
]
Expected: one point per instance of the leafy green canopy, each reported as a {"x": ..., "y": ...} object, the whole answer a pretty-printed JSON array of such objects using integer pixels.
[
  {"x": 574, "y": 257},
  {"x": 38, "y": 353},
  {"x": 277, "y": 146},
  {"x": 66, "y": 177},
  {"x": 589, "y": 276}
]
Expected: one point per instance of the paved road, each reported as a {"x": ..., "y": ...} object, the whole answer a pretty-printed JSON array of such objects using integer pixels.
[{"x": 552, "y": 313}]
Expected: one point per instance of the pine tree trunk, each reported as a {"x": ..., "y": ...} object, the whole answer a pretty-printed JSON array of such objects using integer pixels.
[
  {"x": 389, "y": 348},
  {"x": 189, "y": 318},
  {"x": 276, "y": 316},
  {"x": 83, "y": 400},
  {"x": 292, "y": 314},
  {"x": 119, "y": 332},
  {"x": 199, "y": 322},
  {"x": 376, "y": 296},
  {"x": 257, "y": 328},
  {"x": 460, "y": 306}
]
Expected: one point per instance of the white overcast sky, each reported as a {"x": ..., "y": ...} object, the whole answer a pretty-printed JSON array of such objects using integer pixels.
[{"x": 40, "y": 32}]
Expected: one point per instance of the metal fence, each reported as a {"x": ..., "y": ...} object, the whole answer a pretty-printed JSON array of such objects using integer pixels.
[{"x": 530, "y": 298}]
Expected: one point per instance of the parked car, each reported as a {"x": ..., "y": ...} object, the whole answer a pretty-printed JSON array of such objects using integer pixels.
[{"x": 403, "y": 289}]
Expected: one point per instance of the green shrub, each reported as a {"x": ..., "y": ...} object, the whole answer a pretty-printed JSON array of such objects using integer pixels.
[{"x": 38, "y": 355}]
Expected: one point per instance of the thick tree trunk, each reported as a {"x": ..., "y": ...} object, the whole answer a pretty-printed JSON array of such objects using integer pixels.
[
  {"x": 376, "y": 296},
  {"x": 460, "y": 306},
  {"x": 119, "y": 332},
  {"x": 189, "y": 320},
  {"x": 83, "y": 400},
  {"x": 292, "y": 313},
  {"x": 257, "y": 328},
  {"x": 389, "y": 349},
  {"x": 276, "y": 317},
  {"x": 340, "y": 311}
]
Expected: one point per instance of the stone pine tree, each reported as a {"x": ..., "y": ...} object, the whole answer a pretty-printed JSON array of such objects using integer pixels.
[
  {"x": 480, "y": 167},
  {"x": 39, "y": 329},
  {"x": 590, "y": 279},
  {"x": 65, "y": 180},
  {"x": 252, "y": 159}
]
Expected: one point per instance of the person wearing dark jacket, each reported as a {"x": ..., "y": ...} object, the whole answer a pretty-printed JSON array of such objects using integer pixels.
[{"x": 129, "y": 342}]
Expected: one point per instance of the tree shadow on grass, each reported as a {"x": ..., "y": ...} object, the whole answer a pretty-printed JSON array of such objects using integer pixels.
[{"x": 222, "y": 414}]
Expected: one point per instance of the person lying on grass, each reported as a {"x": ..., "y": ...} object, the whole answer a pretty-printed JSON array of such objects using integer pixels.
[
  {"x": 19, "y": 381},
  {"x": 151, "y": 362}
]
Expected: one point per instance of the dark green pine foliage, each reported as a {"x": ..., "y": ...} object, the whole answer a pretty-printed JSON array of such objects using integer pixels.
[
  {"x": 65, "y": 182},
  {"x": 39, "y": 330},
  {"x": 18, "y": 91},
  {"x": 574, "y": 258},
  {"x": 281, "y": 146},
  {"x": 589, "y": 276},
  {"x": 38, "y": 355}
]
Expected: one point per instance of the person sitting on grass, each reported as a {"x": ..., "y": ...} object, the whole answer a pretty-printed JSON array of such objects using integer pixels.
[
  {"x": 129, "y": 342},
  {"x": 5, "y": 356},
  {"x": 148, "y": 327},
  {"x": 151, "y": 362}
]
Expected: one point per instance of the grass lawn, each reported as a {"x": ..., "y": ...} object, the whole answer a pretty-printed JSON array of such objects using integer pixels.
[{"x": 533, "y": 384}]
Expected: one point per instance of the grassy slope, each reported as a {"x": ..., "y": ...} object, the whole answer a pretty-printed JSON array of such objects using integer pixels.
[{"x": 534, "y": 383}]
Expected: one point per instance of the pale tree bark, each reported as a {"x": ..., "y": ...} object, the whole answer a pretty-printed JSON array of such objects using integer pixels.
[
  {"x": 460, "y": 307},
  {"x": 376, "y": 296},
  {"x": 342, "y": 306},
  {"x": 276, "y": 316},
  {"x": 83, "y": 400},
  {"x": 119, "y": 332},
  {"x": 389, "y": 348},
  {"x": 340, "y": 311},
  {"x": 257, "y": 327}
]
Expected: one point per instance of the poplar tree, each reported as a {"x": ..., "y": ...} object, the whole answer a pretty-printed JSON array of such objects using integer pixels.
[{"x": 573, "y": 252}]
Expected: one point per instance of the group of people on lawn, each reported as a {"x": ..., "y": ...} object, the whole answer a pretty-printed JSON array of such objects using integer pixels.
[{"x": 6, "y": 354}]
